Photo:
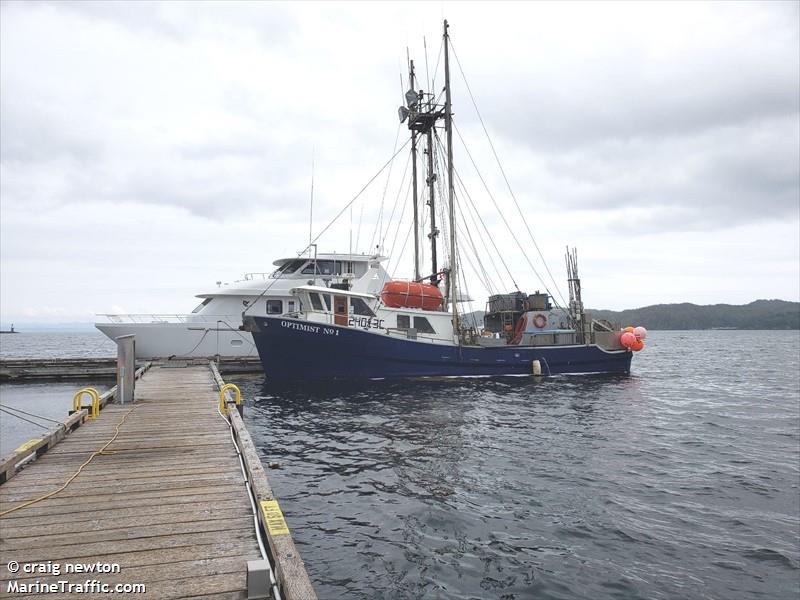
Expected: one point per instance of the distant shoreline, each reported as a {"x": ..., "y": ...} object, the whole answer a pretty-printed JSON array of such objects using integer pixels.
[{"x": 768, "y": 315}]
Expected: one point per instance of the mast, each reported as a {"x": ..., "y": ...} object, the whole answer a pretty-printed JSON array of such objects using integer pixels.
[
  {"x": 448, "y": 127},
  {"x": 431, "y": 180},
  {"x": 422, "y": 113},
  {"x": 414, "y": 181}
]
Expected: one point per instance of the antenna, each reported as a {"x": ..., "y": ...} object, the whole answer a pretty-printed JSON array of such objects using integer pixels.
[{"x": 311, "y": 204}]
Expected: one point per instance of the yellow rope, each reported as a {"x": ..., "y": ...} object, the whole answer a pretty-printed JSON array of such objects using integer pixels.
[{"x": 78, "y": 472}]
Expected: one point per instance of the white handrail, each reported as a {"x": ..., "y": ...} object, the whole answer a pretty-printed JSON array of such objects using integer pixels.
[{"x": 167, "y": 318}]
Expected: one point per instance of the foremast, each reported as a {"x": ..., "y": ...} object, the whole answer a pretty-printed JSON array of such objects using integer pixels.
[{"x": 423, "y": 113}]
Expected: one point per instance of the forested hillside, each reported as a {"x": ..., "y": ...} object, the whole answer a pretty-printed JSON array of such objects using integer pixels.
[{"x": 761, "y": 314}]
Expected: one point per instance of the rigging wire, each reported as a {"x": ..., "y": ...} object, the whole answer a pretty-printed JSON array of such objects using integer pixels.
[
  {"x": 463, "y": 286},
  {"x": 470, "y": 205},
  {"x": 485, "y": 228},
  {"x": 503, "y": 217},
  {"x": 356, "y": 197},
  {"x": 358, "y": 231},
  {"x": 19, "y": 410},
  {"x": 379, "y": 223},
  {"x": 423, "y": 228},
  {"x": 8, "y": 412},
  {"x": 427, "y": 72},
  {"x": 443, "y": 220},
  {"x": 479, "y": 273},
  {"x": 436, "y": 68},
  {"x": 397, "y": 199},
  {"x": 399, "y": 223},
  {"x": 505, "y": 178},
  {"x": 328, "y": 226},
  {"x": 403, "y": 249},
  {"x": 465, "y": 233}
]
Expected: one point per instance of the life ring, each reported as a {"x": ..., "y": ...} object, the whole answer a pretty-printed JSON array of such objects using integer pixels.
[{"x": 539, "y": 321}]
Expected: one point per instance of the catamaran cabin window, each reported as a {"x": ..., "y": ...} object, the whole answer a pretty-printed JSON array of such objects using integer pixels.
[
  {"x": 422, "y": 325},
  {"x": 291, "y": 267},
  {"x": 201, "y": 305},
  {"x": 321, "y": 267},
  {"x": 326, "y": 267},
  {"x": 403, "y": 322},
  {"x": 274, "y": 307},
  {"x": 316, "y": 303},
  {"x": 360, "y": 307}
]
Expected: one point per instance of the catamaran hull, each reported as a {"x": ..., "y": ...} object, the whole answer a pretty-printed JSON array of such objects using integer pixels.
[
  {"x": 290, "y": 349},
  {"x": 183, "y": 340}
]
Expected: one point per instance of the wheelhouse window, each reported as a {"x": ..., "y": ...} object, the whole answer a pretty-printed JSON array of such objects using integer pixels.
[
  {"x": 403, "y": 322},
  {"x": 201, "y": 305},
  {"x": 422, "y": 325},
  {"x": 316, "y": 303},
  {"x": 274, "y": 307},
  {"x": 291, "y": 306},
  {"x": 327, "y": 298},
  {"x": 360, "y": 307}
]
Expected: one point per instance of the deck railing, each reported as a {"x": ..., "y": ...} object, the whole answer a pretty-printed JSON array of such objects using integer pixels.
[{"x": 164, "y": 318}]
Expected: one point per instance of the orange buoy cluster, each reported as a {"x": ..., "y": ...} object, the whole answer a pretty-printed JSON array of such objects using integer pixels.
[{"x": 633, "y": 338}]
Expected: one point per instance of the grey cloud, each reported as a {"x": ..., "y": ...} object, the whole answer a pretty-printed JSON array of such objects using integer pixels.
[
  {"x": 632, "y": 87},
  {"x": 706, "y": 181},
  {"x": 270, "y": 22},
  {"x": 31, "y": 132}
]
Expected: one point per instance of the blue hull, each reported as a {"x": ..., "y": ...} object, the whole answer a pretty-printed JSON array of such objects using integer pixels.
[{"x": 291, "y": 350}]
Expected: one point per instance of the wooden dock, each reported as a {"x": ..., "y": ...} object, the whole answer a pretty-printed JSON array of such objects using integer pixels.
[
  {"x": 40, "y": 369},
  {"x": 164, "y": 505}
]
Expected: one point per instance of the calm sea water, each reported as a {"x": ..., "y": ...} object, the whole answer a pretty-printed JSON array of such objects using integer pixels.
[
  {"x": 52, "y": 400},
  {"x": 56, "y": 344},
  {"x": 680, "y": 481}
]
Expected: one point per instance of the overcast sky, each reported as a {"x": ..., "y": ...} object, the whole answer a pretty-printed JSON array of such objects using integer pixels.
[{"x": 149, "y": 150}]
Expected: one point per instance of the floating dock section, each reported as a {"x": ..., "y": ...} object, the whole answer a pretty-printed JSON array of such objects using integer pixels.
[
  {"x": 40, "y": 369},
  {"x": 164, "y": 493}
]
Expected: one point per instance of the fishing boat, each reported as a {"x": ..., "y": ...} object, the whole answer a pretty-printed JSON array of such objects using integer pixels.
[
  {"x": 415, "y": 328},
  {"x": 213, "y": 328}
]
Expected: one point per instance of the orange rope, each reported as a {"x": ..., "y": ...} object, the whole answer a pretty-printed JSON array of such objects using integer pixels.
[{"x": 78, "y": 472}]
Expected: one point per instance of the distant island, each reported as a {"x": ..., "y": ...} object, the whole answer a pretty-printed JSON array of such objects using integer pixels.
[{"x": 761, "y": 314}]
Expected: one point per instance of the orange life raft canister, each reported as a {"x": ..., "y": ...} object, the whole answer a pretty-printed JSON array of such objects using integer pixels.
[{"x": 410, "y": 294}]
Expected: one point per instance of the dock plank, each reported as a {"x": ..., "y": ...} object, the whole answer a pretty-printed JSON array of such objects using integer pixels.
[{"x": 167, "y": 501}]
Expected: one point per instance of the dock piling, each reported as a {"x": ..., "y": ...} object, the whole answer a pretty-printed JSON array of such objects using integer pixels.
[{"x": 126, "y": 365}]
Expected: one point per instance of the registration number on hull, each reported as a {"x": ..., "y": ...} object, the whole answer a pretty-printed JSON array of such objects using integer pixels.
[{"x": 354, "y": 321}]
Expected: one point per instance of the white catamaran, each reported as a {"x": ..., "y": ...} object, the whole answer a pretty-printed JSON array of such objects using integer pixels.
[{"x": 213, "y": 328}]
